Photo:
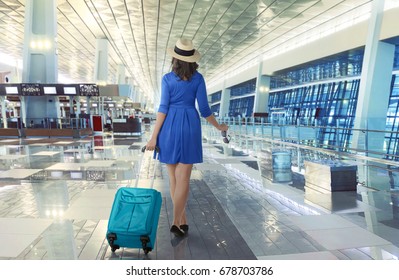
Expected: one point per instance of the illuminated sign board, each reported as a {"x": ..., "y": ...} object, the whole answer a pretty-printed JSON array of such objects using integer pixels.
[
  {"x": 49, "y": 90},
  {"x": 88, "y": 90},
  {"x": 36, "y": 89},
  {"x": 12, "y": 90},
  {"x": 70, "y": 90},
  {"x": 30, "y": 89}
]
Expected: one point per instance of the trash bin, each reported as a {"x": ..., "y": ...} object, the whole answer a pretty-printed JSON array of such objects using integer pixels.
[
  {"x": 281, "y": 160},
  {"x": 281, "y": 166}
]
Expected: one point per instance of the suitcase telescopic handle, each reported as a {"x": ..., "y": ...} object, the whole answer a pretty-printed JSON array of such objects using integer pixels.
[{"x": 155, "y": 169}]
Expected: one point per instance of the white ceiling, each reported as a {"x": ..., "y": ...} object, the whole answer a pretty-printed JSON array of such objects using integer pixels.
[{"x": 227, "y": 33}]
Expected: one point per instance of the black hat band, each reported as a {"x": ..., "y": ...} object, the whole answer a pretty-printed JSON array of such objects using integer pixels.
[{"x": 183, "y": 52}]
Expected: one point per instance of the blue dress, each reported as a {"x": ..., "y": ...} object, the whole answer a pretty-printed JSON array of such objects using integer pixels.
[{"x": 180, "y": 138}]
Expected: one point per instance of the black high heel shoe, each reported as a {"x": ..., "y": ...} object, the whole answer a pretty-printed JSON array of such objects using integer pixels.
[
  {"x": 176, "y": 231},
  {"x": 184, "y": 228}
]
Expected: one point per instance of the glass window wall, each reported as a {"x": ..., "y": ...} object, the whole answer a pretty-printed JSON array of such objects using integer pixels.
[
  {"x": 392, "y": 123},
  {"x": 242, "y": 107},
  {"x": 245, "y": 88},
  {"x": 216, "y": 97},
  {"x": 215, "y": 109},
  {"x": 347, "y": 64},
  {"x": 331, "y": 106}
]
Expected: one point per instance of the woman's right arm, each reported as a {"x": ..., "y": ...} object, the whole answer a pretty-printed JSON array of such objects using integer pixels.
[
  {"x": 161, "y": 114},
  {"x": 158, "y": 124}
]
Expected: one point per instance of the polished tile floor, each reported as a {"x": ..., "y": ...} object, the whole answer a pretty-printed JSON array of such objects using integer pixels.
[{"x": 56, "y": 196}]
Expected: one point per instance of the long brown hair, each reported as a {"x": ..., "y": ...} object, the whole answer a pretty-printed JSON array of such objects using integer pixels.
[{"x": 185, "y": 70}]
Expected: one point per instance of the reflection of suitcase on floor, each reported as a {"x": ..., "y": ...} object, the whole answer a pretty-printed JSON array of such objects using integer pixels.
[{"x": 134, "y": 217}]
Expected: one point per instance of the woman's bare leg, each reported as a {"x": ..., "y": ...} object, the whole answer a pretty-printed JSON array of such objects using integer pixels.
[
  {"x": 180, "y": 196},
  {"x": 172, "y": 179}
]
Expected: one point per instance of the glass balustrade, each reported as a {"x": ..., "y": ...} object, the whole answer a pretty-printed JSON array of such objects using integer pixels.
[{"x": 366, "y": 146}]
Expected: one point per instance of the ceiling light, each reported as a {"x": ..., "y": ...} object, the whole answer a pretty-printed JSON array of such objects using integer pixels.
[{"x": 47, "y": 44}]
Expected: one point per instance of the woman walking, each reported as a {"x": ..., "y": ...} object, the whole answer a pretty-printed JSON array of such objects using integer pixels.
[{"x": 177, "y": 130}]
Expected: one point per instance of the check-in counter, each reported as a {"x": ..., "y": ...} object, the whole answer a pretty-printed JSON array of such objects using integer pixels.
[
  {"x": 9, "y": 132},
  {"x": 127, "y": 126},
  {"x": 56, "y": 132}
]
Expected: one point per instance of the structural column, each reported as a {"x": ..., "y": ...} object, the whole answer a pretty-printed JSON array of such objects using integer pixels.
[
  {"x": 15, "y": 75},
  {"x": 40, "y": 50},
  {"x": 134, "y": 93},
  {"x": 101, "y": 62},
  {"x": 40, "y": 62},
  {"x": 131, "y": 88},
  {"x": 224, "y": 102},
  {"x": 375, "y": 86},
  {"x": 3, "y": 111},
  {"x": 77, "y": 101},
  {"x": 138, "y": 97},
  {"x": 262, "y": 92},
  {"x": 121, "y": 76},
  {"x": 374, "y": 92}
]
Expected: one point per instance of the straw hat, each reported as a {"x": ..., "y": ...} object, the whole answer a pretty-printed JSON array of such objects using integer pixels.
[{"x": 184, "y": 51}]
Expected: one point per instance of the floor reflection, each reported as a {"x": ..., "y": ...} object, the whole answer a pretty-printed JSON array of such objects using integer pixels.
[{"x": 245, "y": 202}]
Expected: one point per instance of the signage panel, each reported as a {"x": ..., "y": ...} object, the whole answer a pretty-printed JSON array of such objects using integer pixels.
[
  {"x": 70, "y": 90},
  {"x": 49, "y": 90},
  {"x": 31, "y": 90},
  {"x": 88, "y": 90},
  {"x": 12, "y": 90},
  {"x": 36, "y": 89}
]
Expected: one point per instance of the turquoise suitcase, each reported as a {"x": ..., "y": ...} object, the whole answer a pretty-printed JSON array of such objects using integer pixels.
[{"x": 134, "y": 217}]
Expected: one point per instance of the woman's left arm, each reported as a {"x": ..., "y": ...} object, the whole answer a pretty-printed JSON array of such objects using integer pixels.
[
  {"x": 212, "y": 120},
  {"x": 203, "y": 105}
]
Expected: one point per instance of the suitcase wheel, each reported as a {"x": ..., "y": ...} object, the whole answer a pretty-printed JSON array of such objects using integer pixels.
[
  {"x": 147, "y": 250},
  {"x": 114, "y": 248},
  {"x": 144, "y": 240},
  {"x": 111, "y": 238}
]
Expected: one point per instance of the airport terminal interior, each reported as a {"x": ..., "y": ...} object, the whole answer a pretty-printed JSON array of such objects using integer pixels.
[{"x": 308, "y": 169}]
